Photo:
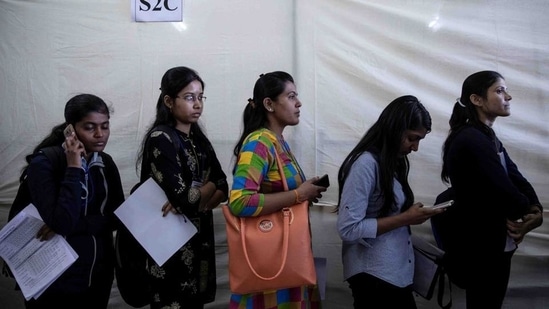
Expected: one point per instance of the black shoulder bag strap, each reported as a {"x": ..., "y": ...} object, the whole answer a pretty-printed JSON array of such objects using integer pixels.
[{"x": 441, "y": 283}]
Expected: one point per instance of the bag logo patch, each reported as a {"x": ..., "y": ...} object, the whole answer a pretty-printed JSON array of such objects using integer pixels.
[{"x": 266, "y": 226}]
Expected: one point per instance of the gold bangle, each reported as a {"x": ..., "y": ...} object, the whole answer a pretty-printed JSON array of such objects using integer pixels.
[{"x": 297, "y": 201}]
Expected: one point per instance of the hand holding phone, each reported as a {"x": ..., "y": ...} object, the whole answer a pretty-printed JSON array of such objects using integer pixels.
[
  {"x": 441, "y": 205},
  {"x": 324, "y": 181},
  {"x": 69, "y": 130}
]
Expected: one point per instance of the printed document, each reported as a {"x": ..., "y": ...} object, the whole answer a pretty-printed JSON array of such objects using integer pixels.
[
  {"x": 35, "y": 264},
  {"x": 161, "y": 236}
]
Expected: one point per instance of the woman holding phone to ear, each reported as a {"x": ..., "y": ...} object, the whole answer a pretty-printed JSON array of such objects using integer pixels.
[{"x": 76, "y": 197}]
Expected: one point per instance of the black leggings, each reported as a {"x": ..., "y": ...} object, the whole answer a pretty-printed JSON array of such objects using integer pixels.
[
  {"x": 372, "y": 292},
  {"x": 488, "y": 280}
]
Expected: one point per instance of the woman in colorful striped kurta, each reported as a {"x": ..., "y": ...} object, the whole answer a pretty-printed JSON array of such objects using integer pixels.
[{"x": 257, "y": 187}]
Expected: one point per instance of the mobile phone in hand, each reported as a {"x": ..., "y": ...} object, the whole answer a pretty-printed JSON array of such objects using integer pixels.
[
  {"x": 324, "y": 181},
  {"x": 69, "y": 130},
  {"x": 441, "y": 205}
]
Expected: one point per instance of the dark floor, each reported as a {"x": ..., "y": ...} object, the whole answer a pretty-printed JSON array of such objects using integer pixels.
[{"x": 528, "y": 287}]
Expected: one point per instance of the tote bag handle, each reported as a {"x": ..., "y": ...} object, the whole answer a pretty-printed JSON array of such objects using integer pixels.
[{"x": 287, "y": 213}]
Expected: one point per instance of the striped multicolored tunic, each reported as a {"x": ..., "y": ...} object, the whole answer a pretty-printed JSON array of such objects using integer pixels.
[{"x": 256, "y": 174}]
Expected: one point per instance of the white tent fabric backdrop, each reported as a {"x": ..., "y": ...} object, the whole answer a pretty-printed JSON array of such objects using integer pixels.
[{"x": 349, "y": 60}]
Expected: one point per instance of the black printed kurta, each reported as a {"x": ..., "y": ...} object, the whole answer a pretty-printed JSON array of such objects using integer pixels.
[{"x": 189, "y": 275}]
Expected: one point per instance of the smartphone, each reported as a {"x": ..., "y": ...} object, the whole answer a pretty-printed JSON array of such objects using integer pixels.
[
  {"x": 324, "y": 181},
  {"x": 442, "y": 205},
  {"x": 69, "y": 130}
]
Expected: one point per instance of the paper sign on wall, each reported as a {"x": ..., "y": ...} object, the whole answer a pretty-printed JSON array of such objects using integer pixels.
[{"x": 157, "y": 10}]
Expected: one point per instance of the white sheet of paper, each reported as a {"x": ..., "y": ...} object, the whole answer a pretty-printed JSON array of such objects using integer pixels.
[
  {"x": 35, "y": 264},
  {"x": 161, "y": 236}
]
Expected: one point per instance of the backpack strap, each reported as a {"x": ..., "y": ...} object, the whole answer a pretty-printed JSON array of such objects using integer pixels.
[
  {"x": 439, "y": 228},
  {"x": 173, "y": 134},
  {"x": 176, "y": 143},
  {"x": 56, "y": 155}
]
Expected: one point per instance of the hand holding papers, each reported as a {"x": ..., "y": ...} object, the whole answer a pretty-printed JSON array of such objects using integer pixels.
[
  {"x": 161, "y": 236},
  {"x": 35, "y": 264}
]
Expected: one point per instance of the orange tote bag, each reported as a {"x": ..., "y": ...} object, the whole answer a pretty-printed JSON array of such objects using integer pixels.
[{"x": 270, "y": 252}]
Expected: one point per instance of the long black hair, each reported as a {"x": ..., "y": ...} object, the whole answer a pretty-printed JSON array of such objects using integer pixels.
[
  {"x": 172, "y": 82},
  {"x": 383, "y": 139},
  {"x": 269, "y": 85},
  {"x": 465, "y": 113}
]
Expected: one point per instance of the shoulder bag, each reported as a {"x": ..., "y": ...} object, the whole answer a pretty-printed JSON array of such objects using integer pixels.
[
  {"x": 429, "y": 273},
  {"x": 270, "y": 252}
]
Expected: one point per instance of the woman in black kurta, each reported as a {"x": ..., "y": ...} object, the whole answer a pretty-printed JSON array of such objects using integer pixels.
[{"x": 181, "y": 159}]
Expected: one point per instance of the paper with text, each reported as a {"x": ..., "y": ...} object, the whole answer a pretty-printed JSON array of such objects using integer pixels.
[
  {"x": 161, "y": 236},
  {"x": 35, "y": 264}
]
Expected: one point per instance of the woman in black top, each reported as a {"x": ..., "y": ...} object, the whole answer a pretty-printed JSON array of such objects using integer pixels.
[
  {"x": 190, "y": 174},
  {"x": 495, "y": 205},
  {"x": 76, "y": 197}
]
